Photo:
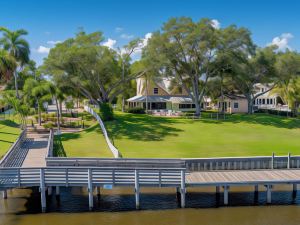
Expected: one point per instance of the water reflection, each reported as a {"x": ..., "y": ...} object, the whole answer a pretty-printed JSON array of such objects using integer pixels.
[{"x": 158, "y": 207}]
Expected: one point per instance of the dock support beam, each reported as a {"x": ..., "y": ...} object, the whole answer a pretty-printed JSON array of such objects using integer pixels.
[
  {"x": 43, "y": 190},
  {"x": 182, "y": 189},
  {"x": 294, "y": 191},
  {"x": 226, "y": 190},
  {"x": 269, "y": 194},
  {"x": 256, "y": 192},
  {"x": 49, "y": 191},
  {"x": 4, "y": 194},
  {"x": 57, "y": 193},
  {"x": 137, "y": 189},
  {"x": 90, "y": 189},
  {"x": 98, "y": 193}
]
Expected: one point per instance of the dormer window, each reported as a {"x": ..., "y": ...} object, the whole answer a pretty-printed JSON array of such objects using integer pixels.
[
  {"x": 155, "y": 91},
  {"x": 262, "y": 90}
]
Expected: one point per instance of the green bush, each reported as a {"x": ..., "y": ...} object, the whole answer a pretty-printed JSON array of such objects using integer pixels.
[
  {"x": 106, "y": 112},
  {"x": 136, "y": 110},
  {"x": 48, "y": 125}
]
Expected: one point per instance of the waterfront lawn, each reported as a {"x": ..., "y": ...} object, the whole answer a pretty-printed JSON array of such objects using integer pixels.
[
  {"x": 87, "y": 143},
  {"x": 9, "y": 132},
  {"x": 239, "y": 135}
]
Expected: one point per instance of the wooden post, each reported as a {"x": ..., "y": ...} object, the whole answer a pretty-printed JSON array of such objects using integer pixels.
[
  {"x": 289, "y": 160},
  {"x": 57, "y": 191},
  {"x": 137, "y": 189},
  {"x": 217, "y": 190},
  {"x": 182, "y": 189},
  {"x": 49, "y": 191},
  {"x": 269, "y": 194},
  {"x": 90, "y": 189},
  {"x": 226, "y": 188},
  {"x": 4, "y": 194},
  {"x": 294, "y": 191},
  {"x": 256, "y": 193},
  {"x": 98, "y": 191},
  {"x": 42, "y": 190},
  {"x": 272, "y": 162}
]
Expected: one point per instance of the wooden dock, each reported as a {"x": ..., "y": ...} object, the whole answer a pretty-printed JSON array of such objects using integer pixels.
[{"x": 38, "y": 168}]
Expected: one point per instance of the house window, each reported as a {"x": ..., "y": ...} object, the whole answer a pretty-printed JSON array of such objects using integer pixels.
[
  {"x": 268, "y": 101},
  {"x": 263, "y": 101},
  {"x": 260, "y": 101},
  {"x": 229, "y": 104},
  {"x": 236, "y": 105},
  {"x": 262, "y": 90},
  {"x": 271, "y": 101},
  {"x": 155, "y": 91},
  {"x": 186, "y": 106}
]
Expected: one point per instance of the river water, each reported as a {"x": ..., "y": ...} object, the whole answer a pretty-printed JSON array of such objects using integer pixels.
[{"x": 158, "y": 207}]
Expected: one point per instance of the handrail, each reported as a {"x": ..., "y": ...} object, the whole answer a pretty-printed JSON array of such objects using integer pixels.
[
  {"x": 112, "y": 148},
  {"x": 50, "y": 144},
  {"x": 21, "y": 137}
]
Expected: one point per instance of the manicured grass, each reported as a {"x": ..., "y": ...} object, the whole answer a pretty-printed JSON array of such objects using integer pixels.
[
  {"x": 239, "y": 135},
  {"x": 87, "y": 143},
  {"x": 9, "y": 132}
]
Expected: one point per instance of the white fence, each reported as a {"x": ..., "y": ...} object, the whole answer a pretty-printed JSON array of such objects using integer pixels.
[
  {"x": 50, "y": 144},
  {"x": 112, "y": 148}
]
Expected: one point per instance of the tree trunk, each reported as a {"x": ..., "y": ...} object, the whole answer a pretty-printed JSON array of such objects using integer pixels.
[
  {"x": 16, "y": 84},
  {"x": 39, "y": 114},
  {"x": 250, "y": 104},
  {"x": 198, "y": 108},
  {"x": 57, "y": 116}
]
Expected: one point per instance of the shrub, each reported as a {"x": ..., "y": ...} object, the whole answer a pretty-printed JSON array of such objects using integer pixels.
[
  {"x": 136, "y": 110},
  {"x": 106, "y": 112},
  {"x": 48, "y": 125}
]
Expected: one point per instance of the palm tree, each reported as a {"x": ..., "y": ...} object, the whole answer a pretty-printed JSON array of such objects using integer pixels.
[
  {"x": 7, "y": 64},
  {"x": 17, "y": 47}
]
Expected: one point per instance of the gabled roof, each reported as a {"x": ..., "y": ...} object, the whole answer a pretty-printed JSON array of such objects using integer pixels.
[{"x": 234, "y": 96}]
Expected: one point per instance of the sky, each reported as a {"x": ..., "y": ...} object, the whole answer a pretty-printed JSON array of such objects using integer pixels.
[{"x": 50, "y": 22}]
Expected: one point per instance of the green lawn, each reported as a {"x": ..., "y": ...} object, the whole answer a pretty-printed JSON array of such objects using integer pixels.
[
  {"x": 87, "y": 143},
  {"x": 239, "y": 135},
  {"x": 9, "y": 132}
]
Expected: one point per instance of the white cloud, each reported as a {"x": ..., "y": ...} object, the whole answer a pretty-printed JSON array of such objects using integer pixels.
[
  {"x": 53, "y": 42},
  {"x": 282, "y": 41},
  {"x": 47, "y": 32},
  {"x": 216, "y": 24},
  {"x": 127, "y": 36},
  {"x": 43, "y": 50},
  {"x": 119, "y": 29},
  {"x": 110, "y": 43}
]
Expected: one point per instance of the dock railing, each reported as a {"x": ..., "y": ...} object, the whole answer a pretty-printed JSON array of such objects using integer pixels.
[
  {"x": 112, "y": 148},
  {"x": 14, "y": 146},
  {"x": 243, "y": 163}
]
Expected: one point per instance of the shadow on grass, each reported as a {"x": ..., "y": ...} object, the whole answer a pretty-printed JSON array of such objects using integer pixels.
[
  {"x": 58, "y": 148},
  {"x": 8, "y": 123},
  {"x": 259, "y": 119},
  {"x": 142, "y": 127}
]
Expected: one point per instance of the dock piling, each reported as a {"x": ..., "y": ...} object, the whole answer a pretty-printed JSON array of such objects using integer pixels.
[
  {"x": 295, "y": 187},
  {"x": 43, "y": 190},
  {"x": 269, "y": 194},
  {"x": 137, "y": 189},
  {"x": 90, "y": 189},
  {"x": 226, "y": 190},
  {"x": 182, "y": 190},
  {"x": 4, "y": 194},
  {"x": 57, "y": 192}
]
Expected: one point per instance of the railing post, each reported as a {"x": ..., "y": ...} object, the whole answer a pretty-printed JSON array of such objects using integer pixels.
[
  {"x": 137, "y": 189},
  {"x": 19, "y": 177},
  {"x": 42, "y": 190},
  {"x": 90, "y": 189},
  {"x": 289, "y": 160},
  {"x": 273, "y": 161},
  {"x": 182, "y": 189}
]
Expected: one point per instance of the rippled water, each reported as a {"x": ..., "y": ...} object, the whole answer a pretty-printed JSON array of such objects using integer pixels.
[{"x": 158, "y": 207}]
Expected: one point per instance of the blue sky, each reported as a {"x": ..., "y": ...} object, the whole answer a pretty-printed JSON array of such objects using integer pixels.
[{"x": 50, "y": 21}]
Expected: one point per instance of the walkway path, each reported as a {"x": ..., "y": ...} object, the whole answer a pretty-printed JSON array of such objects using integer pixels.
[{"x": 37, "y": 150}]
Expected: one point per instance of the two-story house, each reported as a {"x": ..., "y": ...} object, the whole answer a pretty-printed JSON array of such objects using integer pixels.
[{"x": 157, "y": 94}]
